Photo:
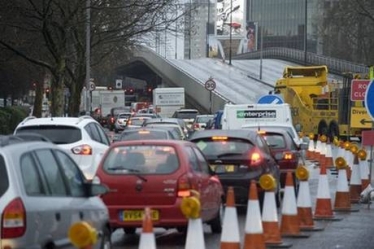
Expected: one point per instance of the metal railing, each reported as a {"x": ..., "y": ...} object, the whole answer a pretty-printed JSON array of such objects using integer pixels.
[{"x": 335, "y": 66}]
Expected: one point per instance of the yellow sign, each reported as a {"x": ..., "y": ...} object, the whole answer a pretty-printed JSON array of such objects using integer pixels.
[{"x": 360, "y": 118}]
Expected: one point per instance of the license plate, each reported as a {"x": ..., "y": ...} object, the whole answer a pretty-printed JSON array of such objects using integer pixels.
[
  {"x": 223, "y": 168},
  {"x": 137, "y": 215}
]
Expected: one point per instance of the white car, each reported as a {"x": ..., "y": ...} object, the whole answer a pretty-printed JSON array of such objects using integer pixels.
[
  {"x": 121, "y": 121},
  {"x": 82, "y": 138},
  {"x": 200, "y": 121},
  {"x": 188, "y": 115},
  {"x": 43, "y": 193}
]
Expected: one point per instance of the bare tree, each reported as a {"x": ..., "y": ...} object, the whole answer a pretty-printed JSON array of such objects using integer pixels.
[
  {"x": 348, "y": 30},
  {"x": 50, "y": 33}
]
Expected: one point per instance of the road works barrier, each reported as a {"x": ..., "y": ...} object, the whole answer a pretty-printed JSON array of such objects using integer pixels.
[
  {"x": 147, "y": 237},
  {"x": 82, "y": 235},
  {"x": 191, "y": 208},
  {"x": 230, "y": 237},
  {"x": 270, "y": 221},
  {"x": 304, "y": 202},
  {"x": 254, "y": 233},
  {"x": 342, "y": 199},
  {"x": 290, "y": 224}
]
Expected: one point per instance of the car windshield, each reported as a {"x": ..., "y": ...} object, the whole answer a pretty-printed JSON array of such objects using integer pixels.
[
  {"x": 204, "y": 119},
  {"x": 222, "y": 148},
  {"x": 186, "y": 115},
  {"x": 136, "y": 121},
  {"x": 58, "y": 134},
  {"x": 142, "y": 135},
  {"x": 141, "y": 159}
]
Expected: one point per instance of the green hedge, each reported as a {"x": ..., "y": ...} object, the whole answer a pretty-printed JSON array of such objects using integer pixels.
[{"x": 10, "y": 117}]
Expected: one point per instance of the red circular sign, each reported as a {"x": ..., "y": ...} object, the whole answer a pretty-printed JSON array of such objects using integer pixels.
[{"x": 210, "y": 85}]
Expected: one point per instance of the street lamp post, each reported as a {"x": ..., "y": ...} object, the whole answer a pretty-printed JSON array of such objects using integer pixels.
[
  {"x": 230, "y": 43},
  {"x": 190, "y": 31},
  {"x": 88, "y": 55},
  {"x": 305, "y": 30},
  {"x": 262, "y": 38},
  {"x": 207, "y": 31}
]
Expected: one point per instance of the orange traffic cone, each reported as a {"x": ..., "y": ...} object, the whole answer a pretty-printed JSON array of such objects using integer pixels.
[
  {"x": 290, "y": 223},
  {"x": 342, "y": 198},
  {"x": 270, "y": 214},
  {"x": 317, "y": 150},
  {"x": 254, "y": 233},
  {"x": 355, "y": 183},
  {"x": 323, "y": 209},
  {"x": 322, "y": 156},
  {"x": 364, "y": 169},
  {"x": 304, "y": 204},
  {"x": 329, "y": 162},
  {"x": 230, "y": 238},
  {"x": 147, "y": 237},
  {"x": 311, "y": 147}
]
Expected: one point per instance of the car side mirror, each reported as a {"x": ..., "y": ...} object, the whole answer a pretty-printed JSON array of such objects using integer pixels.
[{"x": 96, "y": 189}]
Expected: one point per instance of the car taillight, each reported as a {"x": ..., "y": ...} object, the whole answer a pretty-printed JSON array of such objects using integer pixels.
[
  {"x": 84, "y": 149},
  {"x": 288, "y": 156},
  {"x": 256, "y": 158},
  {"x": 112, "y": 119},
  {"x": 196, "y": 126},
  {"x": 184, "y": 186},
  {"x": 13, "y": 220}
]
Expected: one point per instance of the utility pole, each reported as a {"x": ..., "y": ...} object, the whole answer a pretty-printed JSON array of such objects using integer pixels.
[
  {"x": 262, "y": 38},
  {"x": 305, "y": 31},
  {"x": 88, "y": 56},
  {"x": 190, "y": 31},
  {"x": 230, "y": 43},
  {"x": 207, "y": 31}
]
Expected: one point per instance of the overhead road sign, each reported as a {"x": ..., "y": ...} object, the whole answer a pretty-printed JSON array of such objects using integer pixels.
[{"x": 270, "y": 99}]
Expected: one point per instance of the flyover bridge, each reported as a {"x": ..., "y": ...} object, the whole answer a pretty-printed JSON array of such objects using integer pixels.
[{"x": 242, "y": 82}]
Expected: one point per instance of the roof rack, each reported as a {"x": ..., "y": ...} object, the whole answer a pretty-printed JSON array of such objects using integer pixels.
[
  {"x": 28, "y": 118},
  {"x": 80, "y": 118}
]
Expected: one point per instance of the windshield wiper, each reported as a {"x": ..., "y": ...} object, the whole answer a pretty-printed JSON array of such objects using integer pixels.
[
  {"x": 229, "y": 154},
  {"x": 130, "y": 170}
]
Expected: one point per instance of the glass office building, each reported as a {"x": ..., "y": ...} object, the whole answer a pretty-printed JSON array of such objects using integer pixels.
[{"x": 283, "y": 23}]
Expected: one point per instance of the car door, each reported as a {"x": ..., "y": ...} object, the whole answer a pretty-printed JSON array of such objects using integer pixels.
[
  {"x": 100, "y": 142},
  {"x": 55, "y": 213},
  {"x": 90, "y": 209},
  {"x": 200, "y": 181}
]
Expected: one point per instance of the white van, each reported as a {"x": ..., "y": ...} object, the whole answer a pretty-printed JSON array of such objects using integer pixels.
[
  {"x": 236, "y": 116},
  {"x": 259, "y": 115}
]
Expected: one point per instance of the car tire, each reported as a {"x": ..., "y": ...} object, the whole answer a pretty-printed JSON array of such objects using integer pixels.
[
  {"x": 216, "y": 223},
  {"x": 106, "y": 242},
  {"x": 182, "y": 230},
  {"x": 129, "y": 230}
]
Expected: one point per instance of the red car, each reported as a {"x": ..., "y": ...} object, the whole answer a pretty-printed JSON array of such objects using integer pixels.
[
  {"x": 158, "y": 174},
  {"x": 284, "y": 149}
]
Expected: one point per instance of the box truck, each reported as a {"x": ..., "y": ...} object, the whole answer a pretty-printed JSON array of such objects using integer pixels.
[{"x": 167, "y": 100}]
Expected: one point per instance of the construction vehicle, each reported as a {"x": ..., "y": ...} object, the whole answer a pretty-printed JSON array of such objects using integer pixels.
[{"x": 322, "y": 107}]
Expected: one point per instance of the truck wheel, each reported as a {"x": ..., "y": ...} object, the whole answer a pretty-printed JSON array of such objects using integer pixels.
[{"x": 333, "y": 130}]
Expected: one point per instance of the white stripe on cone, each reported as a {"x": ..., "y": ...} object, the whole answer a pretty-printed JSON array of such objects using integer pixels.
[
  {"x": 230, "y": 229},
  {"x": 253, "y": 223},
  {"x": 289, "y": 201},
  {"x": 342, "y": 181},
  {"x": 304, "y": 199},
  {"x": 323, "y": 191},
  {"x": 355, "y": 177},
  {"x": 268, "y": 214},
  {"x": 195, "y": 234},
  {"x": 364, "y": 169},
  {"x": 147, "y": 241}
]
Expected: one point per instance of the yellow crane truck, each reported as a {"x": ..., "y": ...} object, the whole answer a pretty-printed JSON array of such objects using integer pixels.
[{"x": 322, "y": 107}]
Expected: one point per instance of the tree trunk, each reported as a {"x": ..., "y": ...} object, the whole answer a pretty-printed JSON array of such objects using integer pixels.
[
  {"x": 38, "y": 101},
  {"x": 58, "y": 97},
  {"x": 75, "y": 100}
]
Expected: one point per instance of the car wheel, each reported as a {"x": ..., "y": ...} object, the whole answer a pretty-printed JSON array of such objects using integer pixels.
[
  {"x": 129, "y": 230},
  {"x": 216, "y": 223},
  {"x": 182, "y": 230},
  {"x": 106, "y": 242}
]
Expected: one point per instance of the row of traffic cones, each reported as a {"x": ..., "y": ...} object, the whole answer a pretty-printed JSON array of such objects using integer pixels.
[{"x": 264, "y": 230}]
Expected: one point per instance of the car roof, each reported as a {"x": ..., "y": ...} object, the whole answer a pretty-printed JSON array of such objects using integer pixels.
[
  {"x": 144, "y": 129},
  {"x": 270, "y": 129},
  {"x": 160, "y": 120},
  {"x": 68, "y": 121},
  {"x": 239, "y": 133},
  {"x": 160, "y": 142},
  {"x": 187, "y": 110}
]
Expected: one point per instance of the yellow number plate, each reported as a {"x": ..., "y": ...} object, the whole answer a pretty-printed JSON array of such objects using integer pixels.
[
  {"x": 137, "y": 215},
  {"x": 223, "y": 168}
]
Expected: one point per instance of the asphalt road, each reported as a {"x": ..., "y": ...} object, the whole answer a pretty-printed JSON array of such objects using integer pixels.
[{"x": 352, "y": 230}]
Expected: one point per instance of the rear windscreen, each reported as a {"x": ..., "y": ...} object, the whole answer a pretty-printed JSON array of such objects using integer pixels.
[
  {"x": 186, "y": 115},
  {"x": 203, "y": 119},
  {"x": 58, "y": 134},
  {"x": 4, "y": 181},
  {"x": 275, "y": 141},
  {"x": 218, "y": 147},
  {"x": 142, "y": 159}
]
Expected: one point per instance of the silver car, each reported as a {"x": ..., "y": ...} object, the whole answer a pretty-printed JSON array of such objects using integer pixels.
[{"x": 42, "y": 193}]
